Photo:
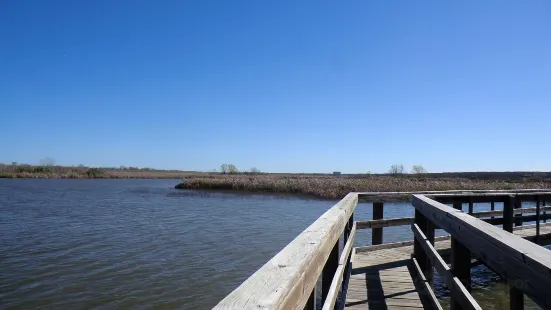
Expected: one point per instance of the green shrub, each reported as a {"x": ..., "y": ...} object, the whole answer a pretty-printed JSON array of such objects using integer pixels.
[{"x": 94, "y": 173}]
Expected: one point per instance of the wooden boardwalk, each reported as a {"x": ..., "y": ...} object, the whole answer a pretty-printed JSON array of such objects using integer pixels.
[
  {"x": 383, "y": 278},
  {"x": 401, "y": 275}
]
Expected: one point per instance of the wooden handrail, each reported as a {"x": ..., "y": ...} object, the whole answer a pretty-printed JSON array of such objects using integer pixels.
[
  {"x": 384, "y": 222},
  {"x": 516, "y": 211},
  {"x": 401, "y": 221},
  {"x": 493, "y": 196},
  {"x": 371, "y": 248},
  {"x": 523, "y": 264},
  {"x": 400, "y": 196},
  {"x": 287, "y": 280}
]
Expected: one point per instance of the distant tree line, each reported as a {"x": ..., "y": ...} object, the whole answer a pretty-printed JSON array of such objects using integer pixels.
[
  {"x": 232, "y": 169},
  {"x": 398, "y": 169}
]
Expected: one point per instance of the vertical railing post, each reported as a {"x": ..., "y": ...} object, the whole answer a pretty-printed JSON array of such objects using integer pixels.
[
  {"x": 471, "y": 207},
  {"x": 508, "y": 213},
  {"x": 492, "y": 207},
  {"x": 377, "y": 233},
  {"x": 329, "y": 270},
  {"x": 418, "y": 252},
  {"x": 518, "y": 205},
  {"x": 544, "y": 213},
  {"x": 348, "y": 228},
  {"x": 311, "y": 304},
  {"x": 516, "y": 298},
  {"x": 460, "y": 264},
  {"x": 537, "y": 219},
  {"x": 348, "y": 265},
  {"x": 429, "y": 233}
]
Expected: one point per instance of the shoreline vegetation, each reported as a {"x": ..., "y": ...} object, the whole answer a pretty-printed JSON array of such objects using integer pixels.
[
  {"x": 83, "y": 172},
  {"x": 336, "y": 187},
  {"x": 324, "y": 186}
]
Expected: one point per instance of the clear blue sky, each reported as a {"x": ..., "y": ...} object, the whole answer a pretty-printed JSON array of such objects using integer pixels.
[{"x": 284, "y": 86}]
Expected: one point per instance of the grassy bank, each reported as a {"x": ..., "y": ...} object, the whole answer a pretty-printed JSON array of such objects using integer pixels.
[
  {"x": 337, "y": 187},
  {"x": 82, "y": 172}
]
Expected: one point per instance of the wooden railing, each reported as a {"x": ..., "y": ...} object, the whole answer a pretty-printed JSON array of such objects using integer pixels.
[
  {"x": 288, "y": 280},
  {"x": 523, "y": 264},
  {"x": 401, "y": 221}
]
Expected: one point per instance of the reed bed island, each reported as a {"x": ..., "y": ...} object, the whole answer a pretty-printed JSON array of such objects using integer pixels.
[{"x": 336, "y": 187}]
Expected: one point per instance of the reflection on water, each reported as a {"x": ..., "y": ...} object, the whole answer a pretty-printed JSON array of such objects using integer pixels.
[{"x": 142, "y": 244}]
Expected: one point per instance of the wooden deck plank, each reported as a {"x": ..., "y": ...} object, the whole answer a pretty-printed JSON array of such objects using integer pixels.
[{"x": 386, "y": 283}]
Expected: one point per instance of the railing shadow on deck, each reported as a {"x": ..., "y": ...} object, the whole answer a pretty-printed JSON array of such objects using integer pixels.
[{"x": 375, "y": 297}]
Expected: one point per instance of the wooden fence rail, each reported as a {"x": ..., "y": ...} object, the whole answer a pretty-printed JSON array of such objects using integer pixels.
[{"x": 402, "y": 221}]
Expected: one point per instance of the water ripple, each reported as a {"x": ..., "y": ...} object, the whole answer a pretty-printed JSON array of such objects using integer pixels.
[{"x": 135, "y": 243}]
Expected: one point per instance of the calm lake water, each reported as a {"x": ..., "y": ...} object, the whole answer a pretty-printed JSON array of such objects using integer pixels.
[{"x": 81, "y": 244}]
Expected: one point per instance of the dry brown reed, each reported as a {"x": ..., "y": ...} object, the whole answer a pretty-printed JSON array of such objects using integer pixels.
[{"x": 331, "y": 187}]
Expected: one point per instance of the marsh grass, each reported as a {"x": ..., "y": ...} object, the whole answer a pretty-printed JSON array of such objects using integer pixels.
[
  {"x": 337, "y": 187},
  {"x": 82, "y": 172}
]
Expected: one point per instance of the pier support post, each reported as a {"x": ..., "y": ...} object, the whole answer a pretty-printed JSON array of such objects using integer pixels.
[
  {"x": 461, "y": 268},
  {"x": 377, "y": 233},
  {"x": 329, "y": 270},
  {"x": 492, "y": 207},
  {"x": 471, "y": 207},
  {"x": 460, "y": 264},
  {"x": 516, "y": 298}
]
